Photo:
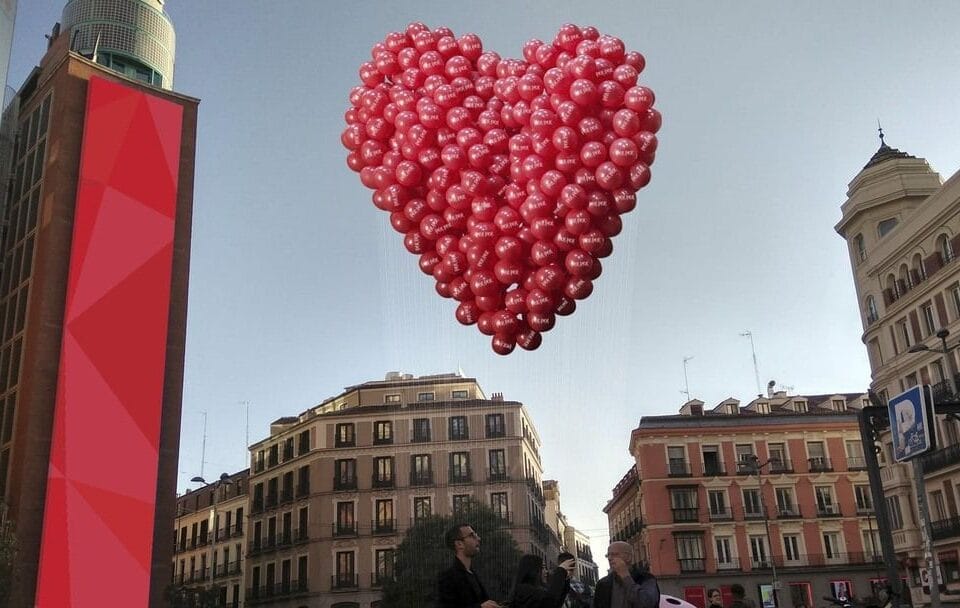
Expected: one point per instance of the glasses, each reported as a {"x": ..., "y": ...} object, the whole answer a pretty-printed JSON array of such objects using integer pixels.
[{"x": 471, "y": 535}]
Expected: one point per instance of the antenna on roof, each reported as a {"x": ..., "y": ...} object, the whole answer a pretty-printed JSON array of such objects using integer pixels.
[
  {"x": 686, "y": 384},
  {"x": 756, "y": 369}
]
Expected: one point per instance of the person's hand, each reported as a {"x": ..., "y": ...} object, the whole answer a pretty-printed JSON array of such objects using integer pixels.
[
  {"x": 568, "y": 565},
  {"x": 489, "y": 604},
  {"x": 620, "y": 567}
]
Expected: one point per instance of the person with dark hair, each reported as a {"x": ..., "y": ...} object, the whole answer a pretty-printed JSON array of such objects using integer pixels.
[
  {"x": 739, "y": 597},
  {"x": 714, "y": 598},
  {"x": 459, "y": 586},
  {"x": 528, "y": 590},
  {"x": 628, "y": 585}
]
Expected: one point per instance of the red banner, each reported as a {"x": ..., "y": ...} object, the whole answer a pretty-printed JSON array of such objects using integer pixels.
[{"x": 102, "y": 481}]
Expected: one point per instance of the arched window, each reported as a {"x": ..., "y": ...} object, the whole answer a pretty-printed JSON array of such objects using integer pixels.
[
  {"x": 904, "y": 276},
  {"x": 858, "y": 246},
  {"x": 916, "y": 268},
  {"x": 892, "y": 285},
  {"x": 871, "y": 308},
  {"x": 943, "y": 246},
  {"x": 886, "y": 226}
]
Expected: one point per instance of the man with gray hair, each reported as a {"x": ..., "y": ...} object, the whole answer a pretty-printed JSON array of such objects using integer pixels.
[{"x": 627, "y": 585}]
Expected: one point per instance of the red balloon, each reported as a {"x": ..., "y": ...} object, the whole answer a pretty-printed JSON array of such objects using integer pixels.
[
  {"x": 485, "y": 323},
  {"x": 540, "y": 321},
  {"x": 579, "y": 263},
  {"x": 529, "y": 339},
  {"x": 503, "y": 345},
  {"x": 515, "y": 300},
  {"x": 578, "y": 288}
]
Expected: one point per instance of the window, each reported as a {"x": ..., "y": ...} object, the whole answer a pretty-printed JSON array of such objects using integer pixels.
[
  {"x": 855, "y": 459},
  {"x": 345, "y": 437},
  {"x": 498, "y": 465},
  {"x": 384, "y": 511},
  {"x": 751, "y": 503},
  {"x": 939, "y": 506},
  {"x": 778, "y": 458},
  {"x": 459, "y": 467},
  {"x": 303, "y": 481},
  {"x": 421, "y": 430},
  {"x": 929, "y": 323},
  {"x": 791, "y": 547},
  {"x": 301, "y": 574},
  {"x": 871, "y": 544},
  {"x": 717, "y": 500},
  {"x": 304, "y": 444},
  {"x": 817, "y": 456},
  {"x": 758, "y": 551},
  {"x": 392, "y": 398},
  {"x": 903, "y": 333},
  {"x": 346, "y": 524},
  {"x": 831, "y": 545},
  {"x": 458, "y": 428},
  {"x": 825, "y": 504},
  {"x": 677, "y": 461},
  {"x": 258, "y": 465},
  {"x": 288, "y": 449},
  {"x": 273, "y": 456},
  {"x": 786, "y": 505},
  {"x": 346, "y": 575},
  {"x": 864, "y": 498},
  {"x": 287, "y": 492},
  {"x": 382, "y": 432},
  {"x": 302, "y": 524},
  {"x": 885, "y": 226},
  {"x": 859, "y": 248},
  {"x": 460, "y": 394},
  {"x": 683, "y": 503},
  {"x": 955, "y": 298},
  {"x": 893, "y": 511},
  {"x": 383, "y": 472},
  {"x": 839, "y": 405},
  {"x": 383, "y": 563},
  {"x": 258, "y": 498},
  {"x": 689, "y": 549},
  {"x": 422, "y": 507},
  {"x": 498, "y": 502},
  {"x": 420, "y": 471},
  {"x": 460, "y": 503},
  {"x": 345, "y": 474},
  {"x": 496, "y": 426},
  {"x": 800, "y": 406},
  {"x": 871, "y": 308},
  {"x": 725, "y": 557},
  {"x": 944, "y": 247},
  {"x": 842, "y": 589},
  {"x": 425, "y": 396},
  {"x": 712, "y": 462},
  {"x": 745, "y": 459}
]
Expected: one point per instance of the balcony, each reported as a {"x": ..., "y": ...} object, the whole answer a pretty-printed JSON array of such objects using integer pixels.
[
  {"x": 777, "y": 467},
  {"x": 271, "y": 500},
  {"x": 421, "y": 478},
  {"x": 942, "y": 391},
  {"x": 685, "y": 515},
  {"x": 420, "y": 437},
  {"x": 940, "y": 459},
  {"x": 754, "y": 512},
  {"x": 286, "y": 495},
  {"x": 382, "y": 482},
  {"x": 384, "y": 526},
  {"x": 285, "y": 539},
  {"x": 893, "y": 475},
  {"x": 536, "y": 489},
  {"x": 303, "y": 490},
  {"x": 344, "y": 483},
  {"x": 906, "y": 539},
  {"x": 495, "y": 476},
  {"x": 713, "y": 469},
  {"x": 460, "y": 476},
  {"x": 256, "y": 546},
  {"x": 789, "y": 513},
  {"x": 343, "y": 529},
  {"x": 379, "y": 579},
  {"x": 677, "y": 467},
  {"x": 257, "y": 504},
  {"x": 721, "y": 515},
  {"x": 856, "y": 464},
  {"x": 288, "y": 452},
  {"x": 945, "y": 528},
  {"x": 301, "y": 535},
  {"x": 864, "y": 509},
  {"x": 348, "y": 581},
  {"x": 383, "y": 440},
  {"x": 828, "y": 510},
  {"x": 819, "y": 465},
  {"x": 345, "y": 442},
  {"x": 692, "y": 564}
]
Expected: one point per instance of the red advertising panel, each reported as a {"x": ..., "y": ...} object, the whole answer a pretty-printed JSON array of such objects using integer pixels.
[
  {"x": 104, "y": 455},
  {"x": 696, "y": 596}
]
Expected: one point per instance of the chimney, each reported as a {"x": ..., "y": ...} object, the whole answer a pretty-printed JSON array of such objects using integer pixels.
[
  {"x": 496, "y": 397},
  {"x": 770, "y": 386}
]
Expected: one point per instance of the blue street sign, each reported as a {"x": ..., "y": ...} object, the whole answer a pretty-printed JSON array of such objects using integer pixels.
[{"x": 911, "y": 423}]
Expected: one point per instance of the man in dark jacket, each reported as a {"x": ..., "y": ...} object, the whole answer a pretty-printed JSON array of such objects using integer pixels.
[
  {"x": 459, "y": 586},
  {"x": 627, "y": 585}
]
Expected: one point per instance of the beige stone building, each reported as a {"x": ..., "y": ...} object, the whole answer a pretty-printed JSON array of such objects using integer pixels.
[
  {"x": 902, "y": 225},
  {"x": 334, "y": 489},
  {"x": 209, "y": 536},
  {"x": 567, "y": 537}
]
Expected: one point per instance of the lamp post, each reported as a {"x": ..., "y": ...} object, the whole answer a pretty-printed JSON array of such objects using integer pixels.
[
  {"x": 224, "y": 480},
  {"x": 945, "y": 351},
  {"x": 757, "y": 466}
]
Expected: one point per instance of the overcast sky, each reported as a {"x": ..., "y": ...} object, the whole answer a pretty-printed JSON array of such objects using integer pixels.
[{"x": 299, "y": 288}]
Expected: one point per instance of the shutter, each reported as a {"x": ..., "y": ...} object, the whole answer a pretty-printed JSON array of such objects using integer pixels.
[
  {"x": 941, "y": 309},
  {"x": 901, "y": 287},
  {"x": 888, "y": 298},
  {"x": 915, "y": 326},
  {"x": 915, "y": 277},
  {"x": 933, "y": 263},
  {"x": 955, "y": 245}
]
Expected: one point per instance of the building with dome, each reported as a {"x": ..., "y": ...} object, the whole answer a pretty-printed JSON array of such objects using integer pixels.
[{"x": 901, "y": 221}]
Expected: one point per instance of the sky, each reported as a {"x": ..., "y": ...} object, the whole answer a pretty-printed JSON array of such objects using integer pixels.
[{"x": 299, "y": 287}]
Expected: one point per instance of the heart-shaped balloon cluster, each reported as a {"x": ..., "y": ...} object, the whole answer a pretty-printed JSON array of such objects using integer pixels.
[{"x": 507, "y": 177}]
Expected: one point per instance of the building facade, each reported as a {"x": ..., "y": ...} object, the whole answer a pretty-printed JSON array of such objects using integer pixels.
[
  {"x": 902, "y": 226},
  {"x": 773, "y": 494},
  {"x": 334, "y": 489},
  {"x": 567, "y": 537},
  {"x": 209, "y": 541},
  {"x": 56, "y": 115}
]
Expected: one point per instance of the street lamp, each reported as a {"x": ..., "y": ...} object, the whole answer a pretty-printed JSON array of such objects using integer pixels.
[
  {"x": 224, "y": 480},
  {"x": 943, "y": 350},
  {"x": 757, "y": 466}
]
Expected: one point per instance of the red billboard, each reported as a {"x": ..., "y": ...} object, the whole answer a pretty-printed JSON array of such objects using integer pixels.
[{"x": 104, "y": 455}]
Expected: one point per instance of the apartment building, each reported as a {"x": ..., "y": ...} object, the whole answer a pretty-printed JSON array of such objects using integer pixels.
[
  {"x": 568, "y": 538},
  {"x": 209, "y": 541},
  {"x": 771, "y": 494},
  {"x": 901, "y": 222},
  {"x": 334, "y": 489}
]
